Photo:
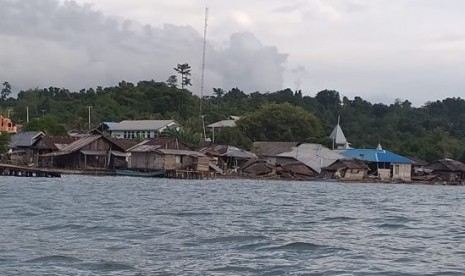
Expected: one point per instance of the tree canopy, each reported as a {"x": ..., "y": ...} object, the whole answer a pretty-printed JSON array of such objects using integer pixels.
[
  {"x": 4, "y": 142},
  {"x": 280, "y": 122},
  {"x": 434, "y": 130}
]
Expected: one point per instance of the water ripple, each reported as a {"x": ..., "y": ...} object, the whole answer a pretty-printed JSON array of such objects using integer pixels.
[{"x": 82, "y": 225}]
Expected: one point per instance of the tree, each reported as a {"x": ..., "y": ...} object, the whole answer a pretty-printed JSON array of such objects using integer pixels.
[
  {"x": 233, "y": 136},
  {"x": 47, "y": 124},
  {"x": 5, "y": 140},
  {"x": 172, "y": 81},
  {"x": 442, "y": 144},
  {"x": 218, "y": 92},
  {"x": 6, "y": 91},
  {"x": 280, "y": 122},
  {"x": 329, "y": 98},
  {"x": 185, "y": 71}
]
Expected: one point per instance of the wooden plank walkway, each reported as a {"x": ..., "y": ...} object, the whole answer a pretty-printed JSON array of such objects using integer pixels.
[{"x": 14, "y": 170}]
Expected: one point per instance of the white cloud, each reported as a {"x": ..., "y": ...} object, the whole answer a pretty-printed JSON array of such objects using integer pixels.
[
  {"x": 77, "y": 47},
  {"x": 376, "y": 49}
]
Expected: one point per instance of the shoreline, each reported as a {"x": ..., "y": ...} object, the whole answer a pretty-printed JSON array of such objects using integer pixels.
[{"x": 111, "y": 172}]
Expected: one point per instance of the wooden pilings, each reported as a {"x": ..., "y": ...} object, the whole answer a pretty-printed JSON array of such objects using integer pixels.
[
  {"x": 12, "y": 170},
  {"x": 184, "y": 174}
]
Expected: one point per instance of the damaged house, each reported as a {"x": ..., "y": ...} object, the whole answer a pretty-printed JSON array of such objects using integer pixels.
[{"x": 291, "y": 159}]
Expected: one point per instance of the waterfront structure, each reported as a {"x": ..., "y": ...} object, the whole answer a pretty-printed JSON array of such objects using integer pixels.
[
  {"x": 228, "y": 158},
  {"x": 447, "y": 170},
  {"x": 169, "y": 142},
  {"x": 152, "y": 158},
  {"x": 314, "y": 156},
  {"x": 90, "y": 152},
  {"x": 144, "y": 129},
  {"x": 22, "y": 147},
  {"x": 346, "y": 169},
  {"x": 384, "y": 164}
]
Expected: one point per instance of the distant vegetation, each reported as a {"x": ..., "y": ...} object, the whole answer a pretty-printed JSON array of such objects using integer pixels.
[{"x": 435, "y": 130}]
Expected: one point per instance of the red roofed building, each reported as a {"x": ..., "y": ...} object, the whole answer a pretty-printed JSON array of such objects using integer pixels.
[{"x": 6, "y": 125}]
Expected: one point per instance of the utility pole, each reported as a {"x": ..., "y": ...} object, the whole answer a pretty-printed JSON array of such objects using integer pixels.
[{"x": 89, "y": 106}]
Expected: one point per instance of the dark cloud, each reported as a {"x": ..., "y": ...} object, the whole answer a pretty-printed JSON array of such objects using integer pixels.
[{"x": 70, "y": 45}]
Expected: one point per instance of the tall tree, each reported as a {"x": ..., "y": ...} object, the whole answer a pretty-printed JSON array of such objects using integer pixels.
[
  {"x": 6, "y": 91},
  {"x": 185, "y": 71}
]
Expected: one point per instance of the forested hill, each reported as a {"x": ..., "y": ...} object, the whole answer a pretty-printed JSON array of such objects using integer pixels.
[{"x": 435, "y": 130}]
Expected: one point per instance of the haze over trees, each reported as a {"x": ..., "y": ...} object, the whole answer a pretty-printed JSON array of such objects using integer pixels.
[{"x": 434, "y": 130}]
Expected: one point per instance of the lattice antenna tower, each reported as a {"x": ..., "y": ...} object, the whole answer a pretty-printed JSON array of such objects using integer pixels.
[{"x": 203, "y": 58}]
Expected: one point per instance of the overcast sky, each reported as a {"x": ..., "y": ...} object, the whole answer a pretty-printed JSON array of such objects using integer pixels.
[{"x": 377, "y": 49}]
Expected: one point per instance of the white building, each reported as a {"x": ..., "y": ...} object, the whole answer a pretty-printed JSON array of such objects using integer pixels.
[{"x": 145, "y": 129}]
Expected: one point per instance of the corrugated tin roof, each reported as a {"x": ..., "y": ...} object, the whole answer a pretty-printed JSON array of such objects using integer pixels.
[
  {"x": 78, "y": 144},
  {"x": 446, "y": 165},
  {"x": 214, "y": 150},
  {"x": 273, "y": 148},
  {"x": 119, "y": 153},
  {"x": 123, "y": 144},
  {"x": 374, "y": 155},
  {"x": 223, "y": 123},
  {"x": 181, "y": 152},
  {"x": 57, "y": 142},
  {"x": 144, "y": 148},
  {"x": 228, "y": 151},
  {"x": 135, "y": 125},
  {"x": 25, "y": 139},
  {"x": 348, "y": 164},
  {"x": 239, "y": 153},
  {"x": 315, "y": 156}
]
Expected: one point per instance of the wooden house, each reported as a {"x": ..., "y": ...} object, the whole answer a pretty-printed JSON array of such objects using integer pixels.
[
  {"x": 152, "y": 158},
  {"x": 185, "y": 160},
  {"x": 447, "y": 170},
  {"x": 257, "y": 167},
  {"x": 49, "y": 144},
  {"x": 383, "y": 164},
  {"x": 91, "y": 152},
  {"x": 314, "y": 156},
  {"x": 22, "y": 147},
  {"x": 228, "y": 158},
  {"x": 296, "y": 170},
  {"x": 346, "y": 169}
]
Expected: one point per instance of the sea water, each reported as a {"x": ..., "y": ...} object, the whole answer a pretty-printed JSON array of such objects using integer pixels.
[{"x": 84, "y": 225}]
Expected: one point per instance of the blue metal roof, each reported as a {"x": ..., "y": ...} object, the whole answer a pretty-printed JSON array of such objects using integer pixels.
[{"x": 374, "y": 155}]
